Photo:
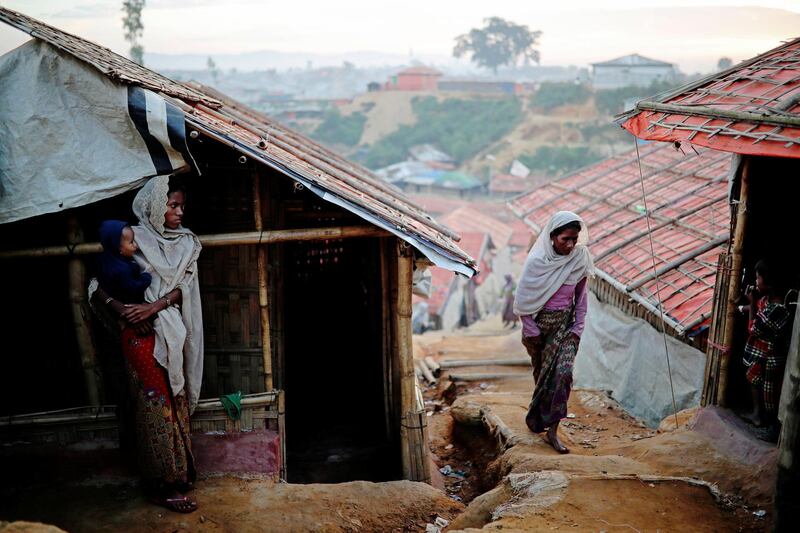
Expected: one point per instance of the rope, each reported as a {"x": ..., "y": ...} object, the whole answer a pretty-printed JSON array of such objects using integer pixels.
[{"x": 658, "y": 283}]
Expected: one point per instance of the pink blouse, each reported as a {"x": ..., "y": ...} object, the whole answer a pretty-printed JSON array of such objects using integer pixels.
[{"x": 562, "y": 299}]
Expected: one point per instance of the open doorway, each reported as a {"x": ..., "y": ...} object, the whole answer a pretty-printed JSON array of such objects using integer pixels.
[
  {"x": 336, "y": 419},
  {"x": 772, "y": 226}
]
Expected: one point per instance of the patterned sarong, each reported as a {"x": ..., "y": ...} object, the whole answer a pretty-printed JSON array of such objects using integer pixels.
[{"x": 552, "y": 358}]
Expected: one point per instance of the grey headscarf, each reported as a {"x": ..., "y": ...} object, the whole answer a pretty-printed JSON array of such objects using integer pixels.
[
  {"x": 545, "y": 270},
  {"x": 170, "y": 257}
]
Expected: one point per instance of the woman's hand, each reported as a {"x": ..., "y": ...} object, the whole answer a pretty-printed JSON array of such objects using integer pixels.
[
  {"x": 138, "y": 313},
  {"x": 143, "y": 329}
]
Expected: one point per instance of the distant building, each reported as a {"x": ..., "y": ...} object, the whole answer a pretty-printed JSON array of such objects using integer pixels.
[
  {"x": 632, "y": 70},
  {"x": 481, "y": 86},
  {"x": 373, "y": 87},
  {"x": 414, "y": 79}
]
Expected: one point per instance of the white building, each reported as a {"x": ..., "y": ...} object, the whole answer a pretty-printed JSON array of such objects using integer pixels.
[{"x": 632, "y": 70}]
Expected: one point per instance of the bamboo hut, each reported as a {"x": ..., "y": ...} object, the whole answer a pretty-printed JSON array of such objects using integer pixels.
[
  {"x": 751, "y": 110},
  {"x": 305, "y": 275}
]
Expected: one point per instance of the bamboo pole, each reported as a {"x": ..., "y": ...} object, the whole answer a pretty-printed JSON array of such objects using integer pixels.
[
  {"x": 425, "y": 372},
  {"x": 734, "y": 282},
  {"x": 481, "y": 376},
  {"x": 263, "y": 295},
  {"x": 458, "y": 363},
  {"x": 77, "y": 299},
  {"x": 220, "y": 239},
  {"x": 435, "y": 367},
  {"x": 413, "y": 435},
  {"x": 402, "y": 340}
]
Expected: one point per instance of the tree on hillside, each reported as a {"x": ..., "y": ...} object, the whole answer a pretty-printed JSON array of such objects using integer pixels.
[
  {"x": 132, "y": 23},
  {"x": 724, "y": 63},
  {"x": 499, "y": 42}
]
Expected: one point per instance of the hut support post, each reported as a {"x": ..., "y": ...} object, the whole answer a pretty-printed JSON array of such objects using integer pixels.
[
  {"x": 413, "y": 421},
  {"x": 734, "y": 283},
  {"x": 263, "y": 296},
  {"x": 77, "y": 300},
  {"x": 787, "y": 487}
]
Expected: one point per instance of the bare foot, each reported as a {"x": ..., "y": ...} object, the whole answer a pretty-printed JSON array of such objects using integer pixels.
[{"x": 552, "y": 437}]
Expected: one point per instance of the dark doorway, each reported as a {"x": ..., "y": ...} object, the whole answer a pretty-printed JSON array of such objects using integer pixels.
[{"x": 336, "y": 422}]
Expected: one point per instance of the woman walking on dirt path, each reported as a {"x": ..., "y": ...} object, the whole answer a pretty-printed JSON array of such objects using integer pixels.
[
  {"x": 162, "y": 343},
  {"x": 551, "y": 301}
]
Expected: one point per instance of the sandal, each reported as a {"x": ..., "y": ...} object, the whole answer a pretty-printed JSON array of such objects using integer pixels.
[{"x": 179, "y": 504}]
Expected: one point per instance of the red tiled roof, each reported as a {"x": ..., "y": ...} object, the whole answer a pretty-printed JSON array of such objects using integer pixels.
[
  {"x": 752, "y": 108},
  {"x": 507, "y": 183},
  {"x": 467, "y": 219},
  {"x": 690, "y": 217}
]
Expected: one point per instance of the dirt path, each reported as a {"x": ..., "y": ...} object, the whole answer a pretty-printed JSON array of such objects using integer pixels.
[
  {"x": 238, "y": 505},
  {"x": 705, "y": 476}
]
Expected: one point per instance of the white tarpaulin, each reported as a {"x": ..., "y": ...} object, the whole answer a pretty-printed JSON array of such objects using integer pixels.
[
  {"x": 625, "y": 355},
  {"x": 70, "y": 136}
]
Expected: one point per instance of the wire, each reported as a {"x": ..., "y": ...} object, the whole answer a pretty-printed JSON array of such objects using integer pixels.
[{"x": 658, "y": 282}]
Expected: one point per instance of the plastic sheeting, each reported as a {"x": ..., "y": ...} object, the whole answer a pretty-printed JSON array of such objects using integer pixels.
[
  {"x": 66, "y": 136},
  {"x": 625, "y": 355}
]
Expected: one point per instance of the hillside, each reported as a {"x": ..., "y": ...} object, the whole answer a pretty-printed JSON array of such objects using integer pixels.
[{"x": 561, "y": 127}]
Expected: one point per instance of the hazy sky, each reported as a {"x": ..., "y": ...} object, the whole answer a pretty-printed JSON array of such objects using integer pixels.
[{"x": 692, "y": 34}]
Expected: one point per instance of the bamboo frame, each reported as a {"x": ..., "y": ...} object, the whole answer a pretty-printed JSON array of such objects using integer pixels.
[
  {"x": 77, "y": 299},
  {"x": 413, "y": 436},
  {"x": 219, "y": 239},
  {"x": 263, "y": 295},
  {"x": 734, "y": 283}
]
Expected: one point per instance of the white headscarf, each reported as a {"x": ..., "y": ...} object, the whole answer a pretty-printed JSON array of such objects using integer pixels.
[
  {"x": 170, "y": 257},
  {"x": 545, "y": 270}
]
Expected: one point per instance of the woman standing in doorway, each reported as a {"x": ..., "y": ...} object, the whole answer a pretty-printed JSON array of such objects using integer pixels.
[
  {"x": 551, "y": 301},
  {"x": 162, "y": 342}
]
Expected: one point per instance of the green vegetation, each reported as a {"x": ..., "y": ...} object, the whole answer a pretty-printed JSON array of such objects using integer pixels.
[
  {"x": 612, "y": 101},
  {"x": 459, "y": 127},
  {"x": 555, "y": 160},
  {"x": 554, "y": 94},
  {"x": 341, "y": 129}
]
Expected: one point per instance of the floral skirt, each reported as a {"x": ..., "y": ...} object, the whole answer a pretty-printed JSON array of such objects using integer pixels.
[
  {"x": 553, "y": 357},
  {"x": 161, "y": 420}
]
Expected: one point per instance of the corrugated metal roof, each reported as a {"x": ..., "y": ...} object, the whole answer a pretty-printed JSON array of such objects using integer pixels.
[
  {"x": 690, "y": 217},
  {"x": 751, "y": 108},
  {"x": 252, "y": 133}
]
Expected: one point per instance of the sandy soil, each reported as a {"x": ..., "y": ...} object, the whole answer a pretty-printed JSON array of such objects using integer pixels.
[
  {"x": 231, "y": 504},
  {"x": 620, "y": 475}
]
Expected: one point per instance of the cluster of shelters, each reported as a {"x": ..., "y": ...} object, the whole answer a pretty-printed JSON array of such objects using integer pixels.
[
  {"x": 431, "y": 171},
  {"x": 422, "y": 78},
  {"x": 495, "y": 239},
  {"x": 288, "y": 227}
]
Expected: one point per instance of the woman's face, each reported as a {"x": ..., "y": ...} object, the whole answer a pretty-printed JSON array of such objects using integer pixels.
[
  {"x": 174, "y": 215},
  {"x": 564, "y": 242}
]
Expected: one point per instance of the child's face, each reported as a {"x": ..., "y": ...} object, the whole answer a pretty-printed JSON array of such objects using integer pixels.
[{"x": 127, "y": 246}]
